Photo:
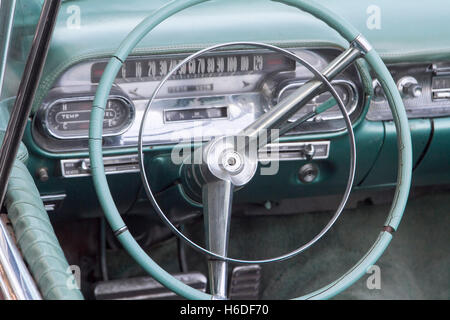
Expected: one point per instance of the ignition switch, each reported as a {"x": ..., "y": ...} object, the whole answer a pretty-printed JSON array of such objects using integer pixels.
[
  {"x": 308, "y": 173},
  {"x": 43, "y": 174}
]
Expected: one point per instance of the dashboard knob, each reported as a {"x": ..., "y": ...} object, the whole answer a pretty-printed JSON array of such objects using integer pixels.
[
  {"x": 378, "y": 93},
  {"x": 309, "y": 151},
  {"x": 308, "y": 173},
  {"x": 84, "y": 165},
  {"x": 413, "y": 90},
  {"x": 43, "y": 174},
  {"x": 409, "y": 87}
]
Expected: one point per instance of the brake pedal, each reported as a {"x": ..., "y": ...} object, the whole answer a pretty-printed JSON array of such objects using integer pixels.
[{"x": 245, "y": 283}]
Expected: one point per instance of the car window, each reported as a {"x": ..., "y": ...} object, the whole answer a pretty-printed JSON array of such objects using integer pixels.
[{"x": 18, "y": 21}]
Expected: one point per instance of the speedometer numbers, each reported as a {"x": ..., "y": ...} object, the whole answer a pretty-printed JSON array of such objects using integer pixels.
[{"x": 151, "y": 69}]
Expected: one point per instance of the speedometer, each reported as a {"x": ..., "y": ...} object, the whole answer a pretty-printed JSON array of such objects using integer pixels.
[
  {"x": 69, "y": 118},
  {"x": 213, "y": 65}
]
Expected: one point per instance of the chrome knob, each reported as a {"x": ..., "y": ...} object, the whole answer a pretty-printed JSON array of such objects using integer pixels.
[
  {"x": 43, "y": 174},
  {"x": 409, "y": 87},
  {"x": 378, "y": 93},
  {"x": 85, "y": 165},
  {"x": 309, "y": 151}
]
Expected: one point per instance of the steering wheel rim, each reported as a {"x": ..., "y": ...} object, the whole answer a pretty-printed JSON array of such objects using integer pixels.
[{"x": 348, "y": 32}]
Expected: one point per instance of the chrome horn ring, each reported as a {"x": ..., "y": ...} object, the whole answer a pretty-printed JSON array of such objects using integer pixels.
[{"x": 348, "y": 125}]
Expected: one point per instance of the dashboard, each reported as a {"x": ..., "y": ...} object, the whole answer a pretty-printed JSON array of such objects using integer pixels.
[
  {"x": 224, "y": 91},
  {"x": 217, "y": 94}
]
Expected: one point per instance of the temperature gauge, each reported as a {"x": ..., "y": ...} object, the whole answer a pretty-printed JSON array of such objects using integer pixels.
[{"x": 69, "y": 118}]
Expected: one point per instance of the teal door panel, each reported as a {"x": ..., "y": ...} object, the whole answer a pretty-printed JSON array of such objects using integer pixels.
[
  {"x": 384, "y": 171},
  {"x": 435, "y": 166}
]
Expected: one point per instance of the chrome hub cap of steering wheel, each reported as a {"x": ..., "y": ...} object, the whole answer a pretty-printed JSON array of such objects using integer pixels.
[{"x": 226, "y": 162}]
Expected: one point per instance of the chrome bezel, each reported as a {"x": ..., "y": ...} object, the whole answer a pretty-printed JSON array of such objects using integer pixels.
[
  {"x": 350, "y": 85},
  {"x": 79, "y": 76},
  {"x": 195, "y": 108},
  {"x": 46, "y": 109},
  {"x": 288, "y": 145},
  {"x": 87, "y": 160}
]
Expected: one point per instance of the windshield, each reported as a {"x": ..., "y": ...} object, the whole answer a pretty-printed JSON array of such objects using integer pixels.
[{"x": 18, "y": 20}]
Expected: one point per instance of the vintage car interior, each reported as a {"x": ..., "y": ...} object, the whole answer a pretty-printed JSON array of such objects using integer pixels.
[{"x": 220, "y": 149}]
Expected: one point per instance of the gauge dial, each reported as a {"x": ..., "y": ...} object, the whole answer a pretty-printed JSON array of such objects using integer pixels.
[
  {"x": 69, "y": 118},
  {"x": 345, "y": 89}
]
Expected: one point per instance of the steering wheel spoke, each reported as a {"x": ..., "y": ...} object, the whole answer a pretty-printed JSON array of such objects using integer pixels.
[
  {"x": 342, "y": 62},
  {"x": 286, "y": 108},
  {"x": 217, "y": 204},
  {"x": 330, "y": 103}
]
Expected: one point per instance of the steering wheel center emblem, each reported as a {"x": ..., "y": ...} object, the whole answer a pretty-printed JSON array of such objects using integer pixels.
[
  {"x": 232, "y": 162},
  {"x": 226, "y": 160}
]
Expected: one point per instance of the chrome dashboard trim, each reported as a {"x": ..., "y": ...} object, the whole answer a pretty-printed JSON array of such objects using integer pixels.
[
  {"x": 85, "y": 164},
  {"x": 53, "y": 201},
  {"x": 423, "y": 106},
  {"x": 351, "y": 85},
  {"x": 16, "y": 282},
  {"x": 193, "y": 120},
  {"x": 252, "y": 87},
  {"x": 294, "y": 147}
]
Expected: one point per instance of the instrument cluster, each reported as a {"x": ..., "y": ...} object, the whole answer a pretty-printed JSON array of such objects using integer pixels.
[{"x": 215, "y": 94}]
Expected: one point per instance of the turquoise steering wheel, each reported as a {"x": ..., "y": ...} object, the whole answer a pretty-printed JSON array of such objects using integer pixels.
[{"x": 348, "y": 32}]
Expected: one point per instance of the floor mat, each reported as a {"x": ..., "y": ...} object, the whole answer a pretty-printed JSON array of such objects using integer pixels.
[{"x": 415, "y": 266}]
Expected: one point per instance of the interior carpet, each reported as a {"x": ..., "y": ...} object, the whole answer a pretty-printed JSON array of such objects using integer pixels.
[{"x": 415, "y": 266}]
